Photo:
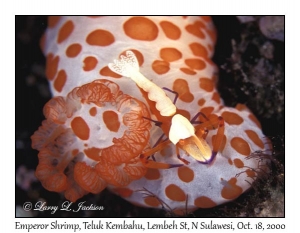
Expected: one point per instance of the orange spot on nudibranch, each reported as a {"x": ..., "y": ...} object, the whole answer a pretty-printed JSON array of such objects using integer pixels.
[
  {"x": 75, "y": 152},
  {"x": 93, "y": 111},
  {"x": 188, "y": 71},
  {"x": 250, "y": 173},
  {"x": 152, "y": 201},
  {"x": 60, "y": 80},
  {"x": 89, "y": 63},
  {"x": 175, "y": 193},
  {"x": 195, "y": 64},
  {"x": 201, "y": 102},
  {"x": 166, "y": 151},
  {"x": 204, "y": 202},
  {"x": 51, "y": 66},
  {"x": 152, "y": 174},
  {"x": 216, "y": 97},
  {"x": 160, "y": 67},
  {"x": 241, "y": 107},
  {"x": 199, "y": 50},
  {"x": 232, "y": 118},
  {"x": 73, "y": 50},
  {"x": 238, "y": 163},
  {"x": 170, "y": 54},
  {"x": 185, "y": 174},
  {"x": 255, "y": 138},
  {"x": 230, "y": 189},
  {"x": 80, "y": 128},
  {"x": 182, "y": 88},
  {"x": 100, "y": 37},
  {"x": 206, "y": 111},
  {"x": 65, "y": 31},
  {"x": 207, "y": 84},
  {"x": 254, "y": 119},
  {"x": 171, "y": 30},
  {"x": 111, "y": 120},
  {"x": 140, "y": 28},
  {"x": 105, "y": 71},
  {"x": 240, "y": 145},
  {"x": 206, "y": 18},
  {"x": 195, "y": 29},
  {"x": 93, "y": 153}
]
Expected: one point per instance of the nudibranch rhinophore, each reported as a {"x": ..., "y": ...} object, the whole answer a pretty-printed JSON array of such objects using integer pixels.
[{"x": 103, "y": 129}]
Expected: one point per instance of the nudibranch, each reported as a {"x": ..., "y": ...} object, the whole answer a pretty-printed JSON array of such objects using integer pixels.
[
  {"x": 70, "y": 159},
  {"x": 99, "y": 123}
]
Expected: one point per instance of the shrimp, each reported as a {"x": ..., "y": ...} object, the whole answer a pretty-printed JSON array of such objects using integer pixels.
[{"x": 179, "y": 130}]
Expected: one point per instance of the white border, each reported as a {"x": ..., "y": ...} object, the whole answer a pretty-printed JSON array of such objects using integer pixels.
[{"x": 187, "y": 7}]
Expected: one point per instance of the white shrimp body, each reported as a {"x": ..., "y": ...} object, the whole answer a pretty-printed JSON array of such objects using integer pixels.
[
  {"x": 181, "y": 128},
  {"x": 128, "y": 66}
]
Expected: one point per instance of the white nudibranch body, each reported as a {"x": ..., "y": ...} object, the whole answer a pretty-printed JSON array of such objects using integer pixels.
[
  {"x": 98, "y": 121},
  {"x": 128, "y": 66}
]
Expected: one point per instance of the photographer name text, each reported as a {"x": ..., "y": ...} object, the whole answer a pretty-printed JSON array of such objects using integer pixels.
[{"x": 66, "y": 206}]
